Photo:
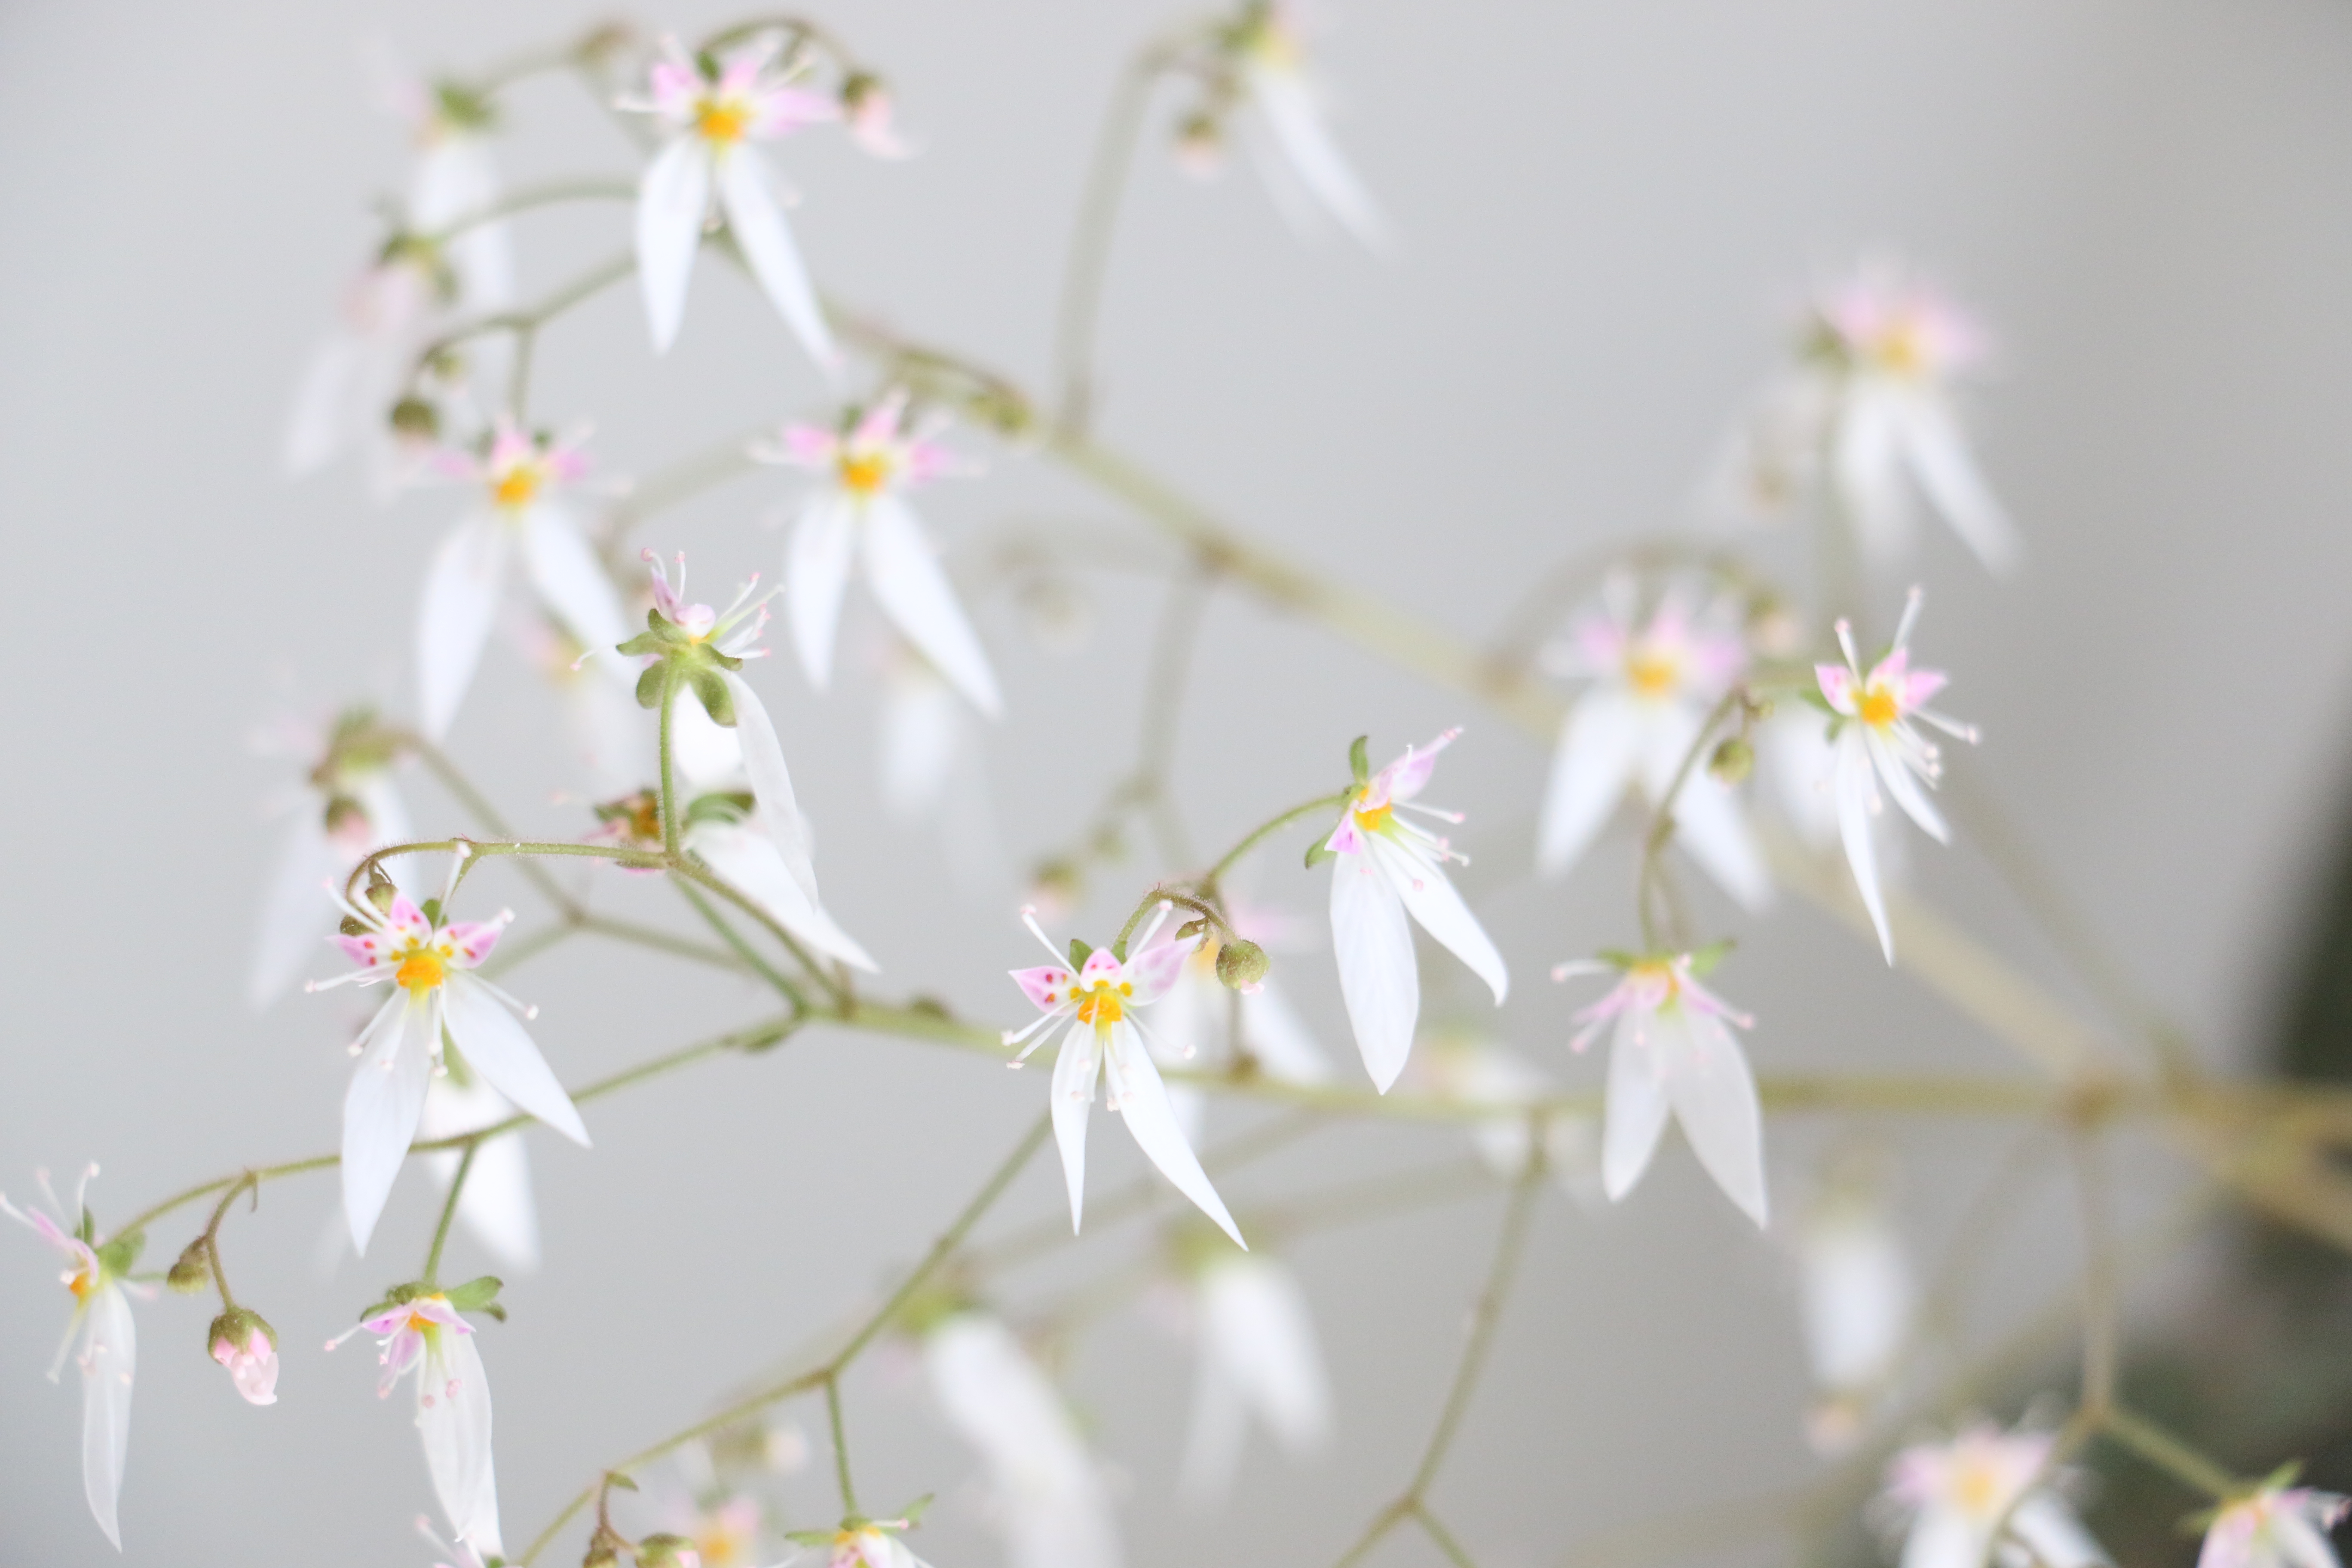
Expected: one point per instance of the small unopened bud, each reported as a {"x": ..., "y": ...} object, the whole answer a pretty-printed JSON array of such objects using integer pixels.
[
  {"x": 667, "y": 1551},
  {"x": 1201, "y": 146},
  {"x": 194, "y": 1270},
  {"x": 416, "y": 419},
  {"x": 248, "y": 1346},
  {"x": 1242, "y": 965},
  {"x": 1732, "y": 762}
]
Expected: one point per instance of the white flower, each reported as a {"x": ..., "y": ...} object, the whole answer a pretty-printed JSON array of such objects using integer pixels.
[
  {"x": 871, "y": 1544},
  {"x": 345, "y": 808},
  {"x": 1956, "y": 1494},
  {"x": 449, "y": 1554},
  {"x": 1459, "y": 1066},
  {"x": 1258, "y": 1357},
  {"x": 857, "y": 510},
  {"x": 1878, "y": 745},
  {"x": 1267, "y": 47},
  {"x": 426, "y": 1336},
  {"x": 713, "y": 125},
  {"x": 1674, "y": 1054},
  {"x": 1053, "y": 1504},
  {"x": 2277, "y": 1527},
  {"x": 469, "y": 571},
  {"x": 426, "y": 961},
  {"x": 1386, "y": 867},
  {"x": 496, "y": 1206},
  {"x": 109, "y": 1343},
  {"x": 1857, "y": 1294},
  {"x": 389, "y": 312},
  {"x": 1098, "y": 999},
  {"x": 1652, "y": 688}
]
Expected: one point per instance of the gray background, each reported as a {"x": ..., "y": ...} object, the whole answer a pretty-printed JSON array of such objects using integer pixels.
[{"x": 1605, "y": 209}]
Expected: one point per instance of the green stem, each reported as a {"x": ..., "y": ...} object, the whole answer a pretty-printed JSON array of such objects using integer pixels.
[
  {"x": 477, "y": 805},
  {"x": 477, "y": 848},
  {"x": 840, "y": 1448},
  {"x": 553, "y": 192},
  {"x": 1259, "y": 835},
  {"x": 1441, "y": 1536},
  {"x": 1084, "y": 272},
  {"x": 450, "y": 1210},
  {"x": 2167, "y": 1453},
  {"x": 1662, "y": 820},
  {"x": 1487, "y": 1314},
  {"x": 670, "y": 823},
  {"x": 743, "y": 950}
]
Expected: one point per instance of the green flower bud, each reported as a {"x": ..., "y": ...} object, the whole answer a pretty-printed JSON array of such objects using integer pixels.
[
  {"x": 1242, "y": 965},
  {"x": 416, "y": 419},
  {"x": 192, "y": 1271},
  {"x": 1732, "y": 762},
  {"x": 666, "y": 1551},
  {"x": 237, "y": 1326}
]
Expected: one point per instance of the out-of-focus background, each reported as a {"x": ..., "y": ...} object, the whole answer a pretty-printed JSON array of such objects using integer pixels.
[{"x": 1606, "y": 212}]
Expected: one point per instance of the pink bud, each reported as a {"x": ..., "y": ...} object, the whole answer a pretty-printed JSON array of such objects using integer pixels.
[{"x": 253, "y": 1369}]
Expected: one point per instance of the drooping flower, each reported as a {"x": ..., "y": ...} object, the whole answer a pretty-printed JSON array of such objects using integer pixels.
[
  {"x": 454, "y": 178},
  {"x": 1877, "y": 746},
  {"x": 1865, "y": 420},
  {"x": 870, "y": 113},
  {"x": 95, "y": 1272},
  {"x": 1267, "y": 47},
  {"x": 426, "y": 1335},
  {"x": 765, "y": 852},
  {"x": 1052, "y": 1503},
  {"x": 248, "y": 1349},
  {"x": 1652, "y": 687},
  {"x": 1955, "y": 1495},
  {"x": 426, "y": 959},
  {"x": 713, "y": 124},
  {"x": 1258, "y": 1357},
  {"x": 1856, "y": 1290},
  {"x": 1099, "y": 996},
  {"x": 517, "y": 476},
  {"x": 871, "y": 1544},
  {"x": 1671, "y": 1053},
  {"x": 855, "y": 510},
  {"x": 495, "y": 1206},
  {"x": 345, "y": 807},
  {"x": 388, "y": 314},
  {"x": 1387, "y": 867},
  {"x": 2277, "y": 1527}
]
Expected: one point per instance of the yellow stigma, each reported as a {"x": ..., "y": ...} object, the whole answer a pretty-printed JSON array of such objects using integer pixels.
[
  {"x": 1376, "y": 819},
  {"x": 518, "y": 487},
  {"x": 718, "y": 1548},
  {"x": 1903, "y": 348},
  {"x": 1975, "y": 1489},
  {"x": 1879, "y": 707},
  {"x": 1651, "y": 675},
  {"x": 1662, "y": 972},
  {"x": 1104, "y": 1005},
  {"x": 420, "y": 971},
  {"x": 80, "y": 1283},
  {"x": 866, "y": 474},
  {"x": 721, "y": 123}
]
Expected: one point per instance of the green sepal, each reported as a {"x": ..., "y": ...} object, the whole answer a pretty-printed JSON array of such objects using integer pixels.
[
  {"x": 809, "y": 1537},
  {"x": 913, "y": 1512},
  {"x": 651, "y": 684},
  {"x": 616, "y": 1478},
  {"x": 474, "y": 1295},
  {"x": 432, "y": 908},
  {"x": 120, "y": 1256},
  {"x": 1360, "y": 761},
  {"x": 237, "y": 1326},
  {"x": 1617, "y": 958},
  {"x": 1079, "y": 953},
  {"x": 710, "y": 690},
  {"x": 463, "y": 106},
  {"x": 1192, "y": 929},
  {"x": 1320, "y": 851},
  {"x": 720, "y": 805},
  {"x": 1702, "y": 960},
  {"x": 1812, "y": 696}
]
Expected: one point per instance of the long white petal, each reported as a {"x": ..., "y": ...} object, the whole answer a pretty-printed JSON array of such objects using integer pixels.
[
  {"x": 1430, "y": 898},
  {"x": 1589, "y": 770},
  {"x": 1371, "y": 940},
  {"x": 498, "y": 1047},
  {"x": 671, "y": 202},
  {"x": 1856, "y": 795},
  {"x": 1306, "y": 143},
  {"x": 748, "y": 859},
  {"x": 771, "y": 783},
  {"x": 1944, "y": 1538},
  {"x": 2057, "y": 1538},
  {"x": 1637, "y": 1107},
  {"x": 324, "y": 411},
  {"x": 707, "y": 752},
  {"x": 1003, "y": 1404},
  {"x": 914, "y": 592},
  {"x": 1857, "y": 1295},
  {"x": 1141, "y": 1101},
  {"x": 382, "y": 1106},
  {"x": 921, "y": 732},
  {"x": 1713, "y": 1097},
  {"x": 1256, "y": 1320},
  {"x": 1903, "y": 786},
  {"x": 110, "y": 1360},
  {"x": 1076, "y": 1064},
  {"x": 294, "y": 912},
  {"x": 453, "y": 1416},
  {"x": 1220, "y": 1430},
  {"x": 1948, "y": 477},
  {"x": 572, "y": 581},
  {"x": 816, "y": 576},
  {"x": 1280, "y": 1040},
  {"x": 461, "y": 599},
  {"x": 1867, "y": 463},
  {"x": 758, "y": 225}
]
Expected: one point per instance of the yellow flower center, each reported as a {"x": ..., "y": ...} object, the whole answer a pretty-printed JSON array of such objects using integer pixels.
[
  {"x": 718, "y": 1547},
  {"x": 1375, "y": 820},
  {"x": 1977, "y": 1489},
  {"x": 721, "y": 123},
  {"x": 518, "y": 487},
  {"x": 1903, "y": 349},
  {"x": 866, "y": 474},
  {"x": 1104, "y": 1005},
  {"x": 81, "y": 1284},
  {"x": 1661, "y": 973},
  {"x": 1879, "y": 707},
  {"x": 421, "y": 970},
  {"x": 1652, "y": 675}
]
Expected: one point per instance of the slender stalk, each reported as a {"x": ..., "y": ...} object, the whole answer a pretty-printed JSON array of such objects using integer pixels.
[
  {"x": 2100, "y": 1328},
  {"x": 2169, "y": 1454},
  {"x": 743, "y": 950},
  {"x": 1264, "y": 831},
  {"x": 554, "y": 192},
  {"x": 840, "y": 1448},
  {"x": 1443, "y": 1537},
  {"x": 1486, "y": 1315},
  {"x": 477, "y": 805},
  {"x": 1662, "y": 823},
  {"x": 670, "y": 823},
  {"x": 450, "y": 1210}
]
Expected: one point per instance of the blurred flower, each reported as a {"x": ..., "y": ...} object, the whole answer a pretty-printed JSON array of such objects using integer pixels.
[
  {"x": 454, "y": 177},
  {"x": 426, "y": 1336},
  {"x": 1258, "y": 1357},
  {"x": 713, "y": 124},
  {"x": 1053, "y": 1504},
  {"x": 856, "y": 507},
  {"x": 1267, "y": 47},
  {"x": 389, "y": 314},
  {"x": 1652, "y": 687},
  {"x": 110, "y": 1342},
  {"x": 1098, "y": 1000},
  {"x": 1858, "y": 1298},
  {"x": 1671, "y": 1053},
  {"x": 1457, "y": 1065},
  {"x": 1956, "y": 1494},
  {"x": 427, "y": 962},
  {"x": 463, "y": 584},
  {"x": 2277, "y": 1527},
  {"x": 1387, "y": 867},
  {"x": 1199, "y": 1012},
  {"x": 1877, "y": 744},
  {"x": 871, "y": 1543},
  {"x": 344, "y": 808},
  {"x": 871, "y": 114}
]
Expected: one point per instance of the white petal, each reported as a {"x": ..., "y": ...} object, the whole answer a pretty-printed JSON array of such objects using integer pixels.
[
  {"x": 914, "y": 592},
  {"x": 1943, "y": 1538},
  {"x": 497, "y": 1047},
  {"x": 1796, "y": 750},
  {"x": 1855, "y": 796},
  {"x": 324, "y": 411},
  {"x": 771, "y": 782},
  {"x": 1256, "y": 1323},
  {"x": 1280, "y": 1040},
  {"x": 110, "y": 1357},
  {"x": 1076, "y": 1064},
  {"x": 1949, "y": 478},
  {"x": 1141, "y": 1101},
  {"x": 1429, "y": 897},
  {"x": 816, "y": 574},
  {"x": 1713, "y": 1097},
  {"x": 2056, "y": 1537},
  {"x": 572, "y": 581},
  {"x": 294, "y": 912},
  {"x": 1213, "y": 1450},
  {"x": 1305, "y": 141},
  {"x": 1867, "y": 463},
  {"x": 1589, "y": 770},
  {"x": 746, "y": 858},
  {"x": 453, "y": 1416},
  {"x": 461, "y": 599},
  {"x": 1902, "y": 786},
  {"x": 758, "y": 225},
  {"x": 671, "y": 202},
  {"x": 706, "y": 752},
  {"x": 496, "y": 1206},
  {"x": 1637, "y": 1107},
  {"x": 1857, "y": 1297},
  {"x": 1002, "y": 1405},
  {"x": 1708, "y": 819},
  {"x": 1371, "y": 942},
  {"x": 921, "y": 732},
  {"x": 382, "y": 1106}
]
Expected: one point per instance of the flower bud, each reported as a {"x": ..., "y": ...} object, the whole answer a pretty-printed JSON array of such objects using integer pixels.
[
  {"x": 194, "y": 1270},
  {"x": 667, "y": 1551},
  {"x": 416, "y": 419},
  {"x": 1732, "y": 761},
  {"x": 1201, "y": 146},
  {"x": 1242, "y": 964},
  {"x": 248, "y": 1346}
]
